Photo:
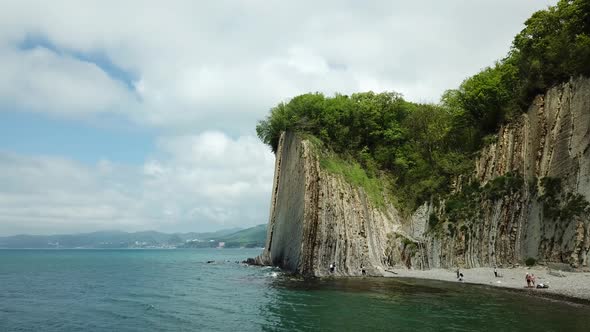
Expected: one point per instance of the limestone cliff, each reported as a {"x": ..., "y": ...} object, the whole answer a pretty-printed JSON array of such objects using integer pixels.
[
  {"x": 317, "y": 218},
  {"x": 550, "y": 142}
]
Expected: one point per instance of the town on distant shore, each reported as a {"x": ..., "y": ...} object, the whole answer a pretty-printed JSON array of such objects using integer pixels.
[{"x": 252, "y": 237}]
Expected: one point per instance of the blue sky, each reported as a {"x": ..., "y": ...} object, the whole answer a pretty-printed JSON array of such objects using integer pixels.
[
  {"x": 37, "y": 134},
  {"x": 140, "y": 115},
  {"x": 89, "y": 140}
]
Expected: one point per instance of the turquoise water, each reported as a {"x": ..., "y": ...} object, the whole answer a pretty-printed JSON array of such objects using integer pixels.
[{"x": 176, "y": 290}]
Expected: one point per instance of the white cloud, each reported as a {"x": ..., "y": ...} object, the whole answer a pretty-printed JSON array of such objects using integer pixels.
[
  {"x": 213, "y": 68},
  {"x": 223, "y": 64},
  {"x": 201, "y": 182},
  {"x": 43, "y": 81}
]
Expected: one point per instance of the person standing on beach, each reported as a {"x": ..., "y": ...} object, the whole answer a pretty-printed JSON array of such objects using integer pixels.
[
  {"x": 528, "y": 280},
  {"x": 496, "y": 271},
  {"x": 533, "y": 280},
  {"x": 458, "y": 273}
]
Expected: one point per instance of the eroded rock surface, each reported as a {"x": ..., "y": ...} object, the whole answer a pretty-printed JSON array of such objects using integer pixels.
[
  {"x": 317, "y": 218},
  {"x": 552, "y": 140}
]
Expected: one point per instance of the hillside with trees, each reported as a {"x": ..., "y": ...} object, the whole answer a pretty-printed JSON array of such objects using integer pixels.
[{"x": 412, "y": 151}]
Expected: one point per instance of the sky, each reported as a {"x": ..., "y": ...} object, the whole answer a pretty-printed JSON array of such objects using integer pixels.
[{"x": 141, "y": 115}]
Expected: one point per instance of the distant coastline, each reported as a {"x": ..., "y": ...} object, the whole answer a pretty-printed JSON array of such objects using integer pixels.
[
  {"x": 172, "y": 248},
  {"x": 253, "y": 237}
]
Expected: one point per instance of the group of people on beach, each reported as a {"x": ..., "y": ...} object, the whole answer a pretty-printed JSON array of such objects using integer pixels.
[
  {"x": 460, "y": 275},
  {"x": 530, "y": 280},
  {"x": 333, "y": 268}
]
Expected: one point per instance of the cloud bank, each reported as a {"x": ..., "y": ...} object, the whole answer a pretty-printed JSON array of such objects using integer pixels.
[
  {"x": 222, "y": 64},
  {"x": 208, "y": 181},
  {"x": 199, "y": 74}
]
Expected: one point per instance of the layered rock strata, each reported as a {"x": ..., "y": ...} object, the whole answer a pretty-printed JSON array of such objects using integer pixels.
[
  {"x": 550, "y": 141},
  {"x": 317, "y": 218}
]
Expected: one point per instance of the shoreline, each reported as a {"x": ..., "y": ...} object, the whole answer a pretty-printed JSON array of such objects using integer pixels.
[{"x": 563, "y": 286}]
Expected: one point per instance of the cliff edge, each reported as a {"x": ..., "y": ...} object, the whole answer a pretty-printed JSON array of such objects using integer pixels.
[
  {"x": 539, "y": 168},
  {"x": 317, "y": 218},
  {"x": 531, "y": 192}
]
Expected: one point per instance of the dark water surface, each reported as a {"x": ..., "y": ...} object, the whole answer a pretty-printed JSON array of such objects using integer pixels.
[{"x": 176, "y": 290}]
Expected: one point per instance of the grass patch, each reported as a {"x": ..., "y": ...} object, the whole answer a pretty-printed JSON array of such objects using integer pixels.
[
  {"x": 353, "y": 173},
  {"x": 316, "y": 143}
]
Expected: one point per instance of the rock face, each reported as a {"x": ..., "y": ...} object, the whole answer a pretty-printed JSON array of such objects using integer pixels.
[
  {"x": 550, "y": 141},
  {"x": 317, "y": 218}
]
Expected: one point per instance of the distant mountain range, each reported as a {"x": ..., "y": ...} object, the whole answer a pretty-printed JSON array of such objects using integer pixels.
[
  {"x": 228, "y": 238},
  {"x": 249, "y": 238}
]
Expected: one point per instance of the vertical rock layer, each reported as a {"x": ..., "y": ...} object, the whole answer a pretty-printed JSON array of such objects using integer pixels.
[
  {"x": 317, "y": 218},
  {"x": 552, "y": 140}
]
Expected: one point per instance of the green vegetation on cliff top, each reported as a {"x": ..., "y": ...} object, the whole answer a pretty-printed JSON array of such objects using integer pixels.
[
  {"x": 421, "y": 147},
  {"x": 356, "y": 175}
]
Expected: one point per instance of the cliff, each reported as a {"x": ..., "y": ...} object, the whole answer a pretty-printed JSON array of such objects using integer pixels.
[
  {"x": 528, "y": 199},
  {"x": 544, "y": 217},
  {"x": 317, "y": 218}
]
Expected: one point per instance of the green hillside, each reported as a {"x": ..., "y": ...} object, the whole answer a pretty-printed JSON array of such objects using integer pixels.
[
  {"x": 109, "y": 239},
  {"x": 411, "y": 151},
  {"x": 250, "y": 237}
]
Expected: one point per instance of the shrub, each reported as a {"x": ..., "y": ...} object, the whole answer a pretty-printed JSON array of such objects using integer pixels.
[
  {"x": 502, "y": 186},
  {"x": 433, "y": 220},
  {"x": 561, "y": 205},
  {"x": 530, "y": 261}
]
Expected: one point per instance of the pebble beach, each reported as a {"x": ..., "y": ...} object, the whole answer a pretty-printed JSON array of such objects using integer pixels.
[{"x": 573, "y": 285}]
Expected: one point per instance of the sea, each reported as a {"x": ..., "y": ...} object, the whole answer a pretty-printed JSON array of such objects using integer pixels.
[{"x": 209, "y": 290}]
